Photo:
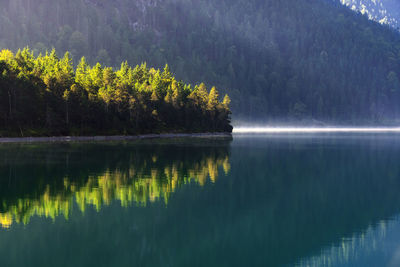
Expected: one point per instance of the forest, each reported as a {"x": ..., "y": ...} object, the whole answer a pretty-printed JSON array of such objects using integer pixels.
[
  {"x": 277, "y": 60},
  {"x": 47, "y": 95}
]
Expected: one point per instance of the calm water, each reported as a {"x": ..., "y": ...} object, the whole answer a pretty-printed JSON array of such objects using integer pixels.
[{"x": 256, "y": 200}]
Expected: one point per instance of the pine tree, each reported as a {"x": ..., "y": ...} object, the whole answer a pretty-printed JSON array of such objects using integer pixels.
[
  {"x": 226, "y": 102},
  {"x": 213, "y": 99}
]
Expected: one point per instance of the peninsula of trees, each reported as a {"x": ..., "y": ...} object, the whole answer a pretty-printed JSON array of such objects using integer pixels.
[{"x": 45, "y": 95}]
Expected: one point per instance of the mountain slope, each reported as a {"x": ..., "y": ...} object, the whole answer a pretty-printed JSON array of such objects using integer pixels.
[
  {"x": 305, "y": 59},
  {"x": 382, "y": 11}
]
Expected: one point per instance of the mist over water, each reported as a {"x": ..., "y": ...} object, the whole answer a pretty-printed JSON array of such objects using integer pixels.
[{"x": 330, "y": 129}]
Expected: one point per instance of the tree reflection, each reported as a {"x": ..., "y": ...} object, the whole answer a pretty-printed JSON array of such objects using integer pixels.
[{"x": 91, "y": 175}]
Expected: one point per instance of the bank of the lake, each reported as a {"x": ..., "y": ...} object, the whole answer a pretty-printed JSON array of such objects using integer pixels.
[{"x": 111, "y": 138}]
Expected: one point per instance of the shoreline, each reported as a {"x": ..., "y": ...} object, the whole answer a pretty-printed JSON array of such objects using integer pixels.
[{"x": 53, "y": 139}]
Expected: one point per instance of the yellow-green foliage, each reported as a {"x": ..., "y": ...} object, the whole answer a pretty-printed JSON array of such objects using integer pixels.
[
  {"x": 132, "y": 186},
  {"x": 46, "y": 92}
]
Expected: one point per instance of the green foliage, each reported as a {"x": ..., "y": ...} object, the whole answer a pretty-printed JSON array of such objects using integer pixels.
[
  {"x": 45, "y": 93},
  {"x": 151, "y": 174}
]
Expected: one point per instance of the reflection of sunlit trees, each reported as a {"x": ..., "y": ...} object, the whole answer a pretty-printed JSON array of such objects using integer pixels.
[
  {"x": 46, "y": 206},
  {"x": 150, "y": 181},
  {"x": 6, "y": 220}
]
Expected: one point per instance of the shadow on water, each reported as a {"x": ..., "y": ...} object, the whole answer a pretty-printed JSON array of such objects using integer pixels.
[{"x": 254, "y": 202}]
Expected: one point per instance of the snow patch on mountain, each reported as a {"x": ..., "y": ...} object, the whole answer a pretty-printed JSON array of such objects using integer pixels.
[{"x": 383, "y": 11}]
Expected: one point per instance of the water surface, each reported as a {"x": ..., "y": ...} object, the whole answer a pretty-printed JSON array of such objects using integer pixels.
[{"x": 259, "y": 200}]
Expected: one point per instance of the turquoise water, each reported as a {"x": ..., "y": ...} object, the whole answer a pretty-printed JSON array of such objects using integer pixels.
[{"x": 256, "y": 200}]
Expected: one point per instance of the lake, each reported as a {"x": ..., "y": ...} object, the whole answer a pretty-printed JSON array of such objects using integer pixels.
[{"x": 254, "y": 200}]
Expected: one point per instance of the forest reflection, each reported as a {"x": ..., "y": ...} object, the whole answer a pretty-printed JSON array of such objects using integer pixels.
[{"x": 48, "y": 180}]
